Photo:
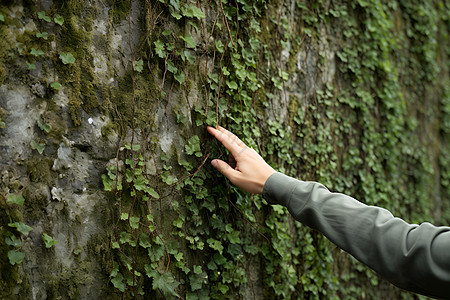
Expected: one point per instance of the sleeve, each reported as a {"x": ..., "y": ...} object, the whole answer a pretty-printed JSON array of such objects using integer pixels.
[{"x": 412, "y": 257}]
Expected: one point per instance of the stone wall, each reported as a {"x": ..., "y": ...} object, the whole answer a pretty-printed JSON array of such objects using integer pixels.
[{"x": 113, "y": 163}]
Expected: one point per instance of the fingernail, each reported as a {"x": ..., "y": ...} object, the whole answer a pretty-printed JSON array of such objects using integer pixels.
[{"x": 214, "y": 163}]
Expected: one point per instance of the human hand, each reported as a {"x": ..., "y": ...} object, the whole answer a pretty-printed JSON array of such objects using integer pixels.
[{"x": 251, "y": 170}]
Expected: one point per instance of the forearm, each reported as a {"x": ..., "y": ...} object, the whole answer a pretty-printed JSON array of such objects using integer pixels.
[{"x": 413, "y": 257}]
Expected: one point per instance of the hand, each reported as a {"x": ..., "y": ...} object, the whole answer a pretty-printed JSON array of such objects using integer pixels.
[{"x": 251, "y": 170}]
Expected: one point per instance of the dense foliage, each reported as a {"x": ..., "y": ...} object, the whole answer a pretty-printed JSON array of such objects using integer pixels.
[{"x": 353, "y": 94}]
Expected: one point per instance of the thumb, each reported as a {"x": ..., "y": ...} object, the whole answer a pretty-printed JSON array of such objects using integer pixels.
[{"x": 224, "y": 168}]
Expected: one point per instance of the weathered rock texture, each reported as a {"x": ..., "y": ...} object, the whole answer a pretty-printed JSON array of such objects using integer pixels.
[{"x": 114, "y": 164}]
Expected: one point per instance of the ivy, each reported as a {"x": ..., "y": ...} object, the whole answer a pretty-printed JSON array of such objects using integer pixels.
[
  {"x": 67, "y": 58},
  {"x": 15, "y": 199},
  {"x": 48, "y": 240},
  {"x": 15, "y": 257},
  {"x": 355, "y": 131}
]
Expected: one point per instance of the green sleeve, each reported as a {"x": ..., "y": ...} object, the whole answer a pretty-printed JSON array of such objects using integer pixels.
[{"x": 412, "y": 257}]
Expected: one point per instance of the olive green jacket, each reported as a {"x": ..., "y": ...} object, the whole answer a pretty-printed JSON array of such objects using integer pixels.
[{"x": 412, "y": 257}]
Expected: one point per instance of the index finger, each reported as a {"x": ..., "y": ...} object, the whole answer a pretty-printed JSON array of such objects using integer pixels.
[{"x": 229, "y": 140}]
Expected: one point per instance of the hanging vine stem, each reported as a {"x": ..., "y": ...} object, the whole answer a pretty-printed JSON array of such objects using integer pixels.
[
  {"x": 132, "y": 136},
  {"x": 122, "y": 132},
  {"x": 237, "y": 19},
  {"x": 246, "y": 219},
  {"x": 226, "y": 22},
  {"x": 132, "y": 74},
  {"x": 218, "y": 92},
  {"x": 190, "y": 175}
]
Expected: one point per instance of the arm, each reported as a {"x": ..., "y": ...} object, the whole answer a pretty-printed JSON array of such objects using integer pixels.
[{"x": 413, "y": 257}]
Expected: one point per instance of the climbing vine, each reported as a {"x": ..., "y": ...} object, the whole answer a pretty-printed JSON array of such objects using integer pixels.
[{"x": 353, "y": 94}]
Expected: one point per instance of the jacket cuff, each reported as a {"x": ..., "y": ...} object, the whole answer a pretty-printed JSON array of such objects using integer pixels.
[{"x": 279, "y": 188}]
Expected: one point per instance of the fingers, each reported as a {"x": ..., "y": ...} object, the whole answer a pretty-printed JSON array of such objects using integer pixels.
[
  {"x": 233, "y": 137},
  {"x": 225, "y": 169},
  {"x": 229, "y": 140}
]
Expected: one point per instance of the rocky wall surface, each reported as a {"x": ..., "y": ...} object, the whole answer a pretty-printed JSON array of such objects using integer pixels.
[{"x": 105, "y": 182}]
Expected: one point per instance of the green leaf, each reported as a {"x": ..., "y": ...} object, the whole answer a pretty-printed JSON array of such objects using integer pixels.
[
  {"x": 118, "y": 283},
  {"x": 176, "y": 15},
  {"x": 180, "y": 77},
  {"x": 193, "y": 146},
  {"x": 233, "y": 237},
  {"x": 138, "y": 65},
  {"x": 15, "y": 199},
  {"x": 140, "y": 183},
  {"x": 30, "y": 66},
  {"x": 107, "y": 183},
  {"x": 15, "y": 257},
  {"x": 167, "y": 178},
  {"x": 225, "y": 71},
  {"x": 144, "y": 241},
  {"x": 166, "y": 32},
  {"x": 134, "y": 222},
  {"x": 125, "y": 237},
  {"x": 2, "y": 18},
  {"x": 223, "y": 288},
  {"x": 59, "y": 20},
  {"x": 215, "y": 244},
  {"x": 44, "y": 126},
  {"x": 56, "y": 85},
  {"x": 178, "y": 223},
  {"x": 219, "y": 46},
  {"x": 21, "y": 227},
  {"x": 12, "y": 240},
  {"x": 159, "y": 49},
  {"x": 36, "y": 52},
  {"x": 232, "y": 84},
  {"x": 115, "y": 245},
  {"x": 152, "y": 192},
  {"x": 192, "y": 11},
  {"x": 197, "y": 12},
  {"x": 190, "y": 42},
  {"x": 197, "y": 269},
  {"x": 124, "y": 216},
  {"x": 43, "y": 16},
  {"x": 171, "y": 67},
  {"x": 67, "y": 58},
  {"x": 189, "y": 56},
  {"x": 166, "y": 283},
  {"x": 43, "y": 35},
  {"x": 187, "y": 165},
  {"x": 48, "y": 240},
  {"x": 37, "y": 146}
]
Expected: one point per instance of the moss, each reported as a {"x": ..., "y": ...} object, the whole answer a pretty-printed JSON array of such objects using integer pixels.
[
  {"x": 88, "y": 93},
  {"x": 120, "y": 10},
  {"x": 66, "y": 284},
  {"x": 146, "y": 95},
  {"x": 80, "y": 74},
  {"x": 6, "y": 45},
  {"x": 9, "y": 274},
  {"x": 91, "y": 14},
  {"x": 75, "y": 107},
  {"x": 2, "y": 78},
  {"x": 2, "y": 117},
  {"x": 40, "y": 169},
  {"x": 58, "y": 127},
  {"x": 294, "y": 104},
  {"x": 109, "y": 129}
]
